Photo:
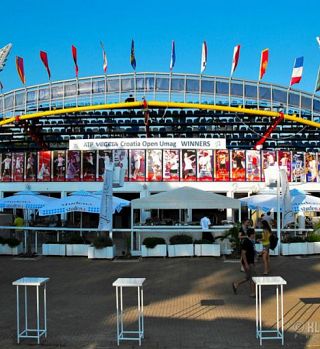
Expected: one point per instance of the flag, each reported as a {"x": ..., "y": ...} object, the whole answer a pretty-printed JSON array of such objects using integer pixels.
[
  {"x": 297, "y": 71},
  {"x": 104, "y": 57},
  {"x": 173, "y": 55},
  {"x": 318, "y": 81},
  {"x": 263, "y": 62},
  {"x": 4, "y": 53},
  {"x": 204, "y": 55},
  {"x": 1, "y": 86},
  {"x": 74, "y": 55},
  {"x": 287, "y": 213},
  {"x": 105, "y": 216},
  {"x": 20, "y": 69},
  {"x": 235, "y": 59},
  {"x": 318, "y": 40},
  {"x": 133, "y": 57},
  {"x": 44, "y": 58}
]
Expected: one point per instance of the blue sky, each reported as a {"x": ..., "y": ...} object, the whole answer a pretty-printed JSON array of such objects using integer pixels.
[{"x": 287, "y": 28}]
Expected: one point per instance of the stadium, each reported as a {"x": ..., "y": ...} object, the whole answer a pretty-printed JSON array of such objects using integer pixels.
[{"x": 166, "y": 130}]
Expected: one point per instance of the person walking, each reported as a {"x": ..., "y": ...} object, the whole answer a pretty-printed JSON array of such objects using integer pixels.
[
  {"x": 266, "y": 233},
  {"x": 247, "y": 257}
]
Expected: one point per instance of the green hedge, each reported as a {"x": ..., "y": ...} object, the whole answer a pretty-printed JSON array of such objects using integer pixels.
[
  {"x": 11, "y": 242},
  {"x": 102, "y": 242},
  {"x": 313, "y": 237},
  {"x": 181, "y": 240},
  {"x": 203, "y": 242},
  {"x": 152, "y": 242}
]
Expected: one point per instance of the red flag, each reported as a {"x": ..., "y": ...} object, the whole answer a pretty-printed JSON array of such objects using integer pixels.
[
  {"x": 20, "y": 69},
  {"x": 104, "y": 57},
  {"x": 74, "y": 55},
  {"x": 44, "y": 58},
  {"x": 235, "y": 59},
  {"x": 263, "y": 62}
]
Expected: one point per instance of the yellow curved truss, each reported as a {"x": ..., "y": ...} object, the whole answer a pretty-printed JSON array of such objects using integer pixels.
[{"x": 157, "y": 104}]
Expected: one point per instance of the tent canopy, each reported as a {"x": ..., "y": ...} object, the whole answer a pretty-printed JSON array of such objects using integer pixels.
[{"x": 184, "y": 198}]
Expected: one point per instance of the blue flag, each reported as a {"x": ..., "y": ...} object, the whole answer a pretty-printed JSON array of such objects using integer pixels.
[
  {"x": 132, "y": 56},
  {"x": 173, "y": 56}
]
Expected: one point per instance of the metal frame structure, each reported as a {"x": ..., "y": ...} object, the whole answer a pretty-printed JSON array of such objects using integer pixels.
[
  {"x": 157, "y": 86},
  {"x": 29, "y": 332},
  {"x": 121, "y": 333},
  {"x": 278, "y": 333}
]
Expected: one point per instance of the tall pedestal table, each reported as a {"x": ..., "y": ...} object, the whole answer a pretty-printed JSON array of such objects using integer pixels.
[
  {"x": 121, "y": 333},
  {"x": 27, "y": 332},
  {"x": 278, "y": 282}
]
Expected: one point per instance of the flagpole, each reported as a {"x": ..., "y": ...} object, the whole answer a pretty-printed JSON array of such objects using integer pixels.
[
  {"x": 278, "y": 210},
  {"x": 170, "y": 81},
  {"x": 200, "y": 86},
  {"x": 105, "y": 88}
]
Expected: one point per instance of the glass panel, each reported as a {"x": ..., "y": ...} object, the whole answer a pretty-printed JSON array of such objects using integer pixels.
[
  {"x": 149, "y": 84},
  {"x": 31, "y": 96},
  {"x": 98, "y": 86},
  {"x": 140, "y": 84},
  {"x": 265, "y": 93},
  {"x": 57, "y": 91},
  {"x": 207, "y": 86},
  {"x": 70, "y": 89},
  {"x": 251, "y": 91},
  {"x": 177, "y": 84},
  {"x": 127, "y": 84},
  {"x": 222, "y": 88},
  {"x": 162, "y": 84},
  {"x": 84, "y": 88},
  {"x": 279, "y": 96},
  {"x": 316, "y": 105},
  {"x": 113, "y": 85},
  {"x": 236, "y": 90},
  {"x": 193, "y": 85},
  {"x": 43, "y": 94},
  {"x": 8, "y": 102},
  {"x": 305, "y": 102},
  {"x": 20, "y": 98},
  {"x": 294, "y": 99}
]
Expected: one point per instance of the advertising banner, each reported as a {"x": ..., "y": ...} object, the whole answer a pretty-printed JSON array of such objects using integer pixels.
[
  {"x": 89, "y": 164},
  {"x": 31, "y": 166},
  {"x": 59, "y": 165},
  {"x": 137, "y": 165},
  {"x": 189, "y": 166},
  {"x": 6, "y": 167},
  {"x": 205, "y": 168},
  {"x": 104, "y": 159},
  {"x": 150, "y": 143},
  {"x": 44, "y": 166},
  {"x": 297, "y": 167},
  {"x": 284, "y": 160},
  {"x": 171, "y": 165},
  {"x": 253, "y": 161},
  {"x": 17, "y": 167},
  {"x": 269, "y": 158},
  {"x": 311, "y": 167},
  {"x": 154, "y": 165},
  {"x": 120, "y": 161},
  {"x": 73, "y": 166},
  {"x": 222, "y": 166},
  {"x": 238, "y": 166}
]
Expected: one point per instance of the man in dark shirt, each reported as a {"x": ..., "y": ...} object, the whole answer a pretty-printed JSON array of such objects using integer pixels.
[{"x": 247, "y": 257}]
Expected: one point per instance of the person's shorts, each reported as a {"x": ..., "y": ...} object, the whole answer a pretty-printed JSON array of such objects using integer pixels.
[
  {"x": 266, "y": 248},
  {"x": 250, "y": 272}
]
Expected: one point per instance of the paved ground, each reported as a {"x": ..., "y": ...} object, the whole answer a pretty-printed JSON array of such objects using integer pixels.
[{"x": 189, "y": 303}]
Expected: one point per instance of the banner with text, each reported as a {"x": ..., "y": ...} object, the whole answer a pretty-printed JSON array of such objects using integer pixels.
[{"x": 152, "y": 143}]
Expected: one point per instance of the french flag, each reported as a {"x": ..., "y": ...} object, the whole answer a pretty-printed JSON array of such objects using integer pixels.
[{"x": 297, "y": 71}]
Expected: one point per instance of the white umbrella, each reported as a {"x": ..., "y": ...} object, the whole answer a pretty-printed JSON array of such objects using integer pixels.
[
  {"x": 301, "y": 202},
  {"x": 80, "y": 201},
  {"x": 30, "y": 200}
]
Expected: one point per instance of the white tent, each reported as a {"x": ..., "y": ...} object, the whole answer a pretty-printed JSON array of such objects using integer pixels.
[{"x": 185, "y": 198}]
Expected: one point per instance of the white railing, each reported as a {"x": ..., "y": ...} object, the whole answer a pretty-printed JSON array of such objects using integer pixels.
[{"x": 159, "y": 86}]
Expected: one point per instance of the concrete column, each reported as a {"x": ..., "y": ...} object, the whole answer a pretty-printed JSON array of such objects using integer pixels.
[
  {"x": 143, "y": 213},
  {"x": 64, "y": 215},
  {"x": 1, "y": 197},
  {"x": 230, "y": 213},
  {"x": 301, "y": 220}
]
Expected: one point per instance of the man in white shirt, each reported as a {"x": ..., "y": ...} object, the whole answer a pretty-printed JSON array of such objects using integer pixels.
[{"x": 205, "y": 223}]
